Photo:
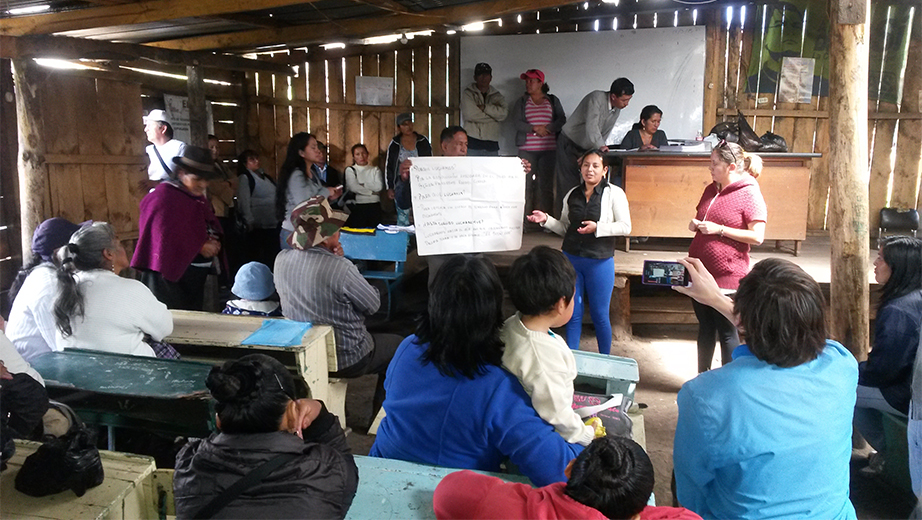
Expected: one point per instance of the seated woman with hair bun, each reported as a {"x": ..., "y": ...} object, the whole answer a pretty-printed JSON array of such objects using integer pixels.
[{"x": 263, "y": 413}]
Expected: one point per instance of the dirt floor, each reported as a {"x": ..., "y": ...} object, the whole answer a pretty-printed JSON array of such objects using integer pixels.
[{"x": 666, "y": 357}]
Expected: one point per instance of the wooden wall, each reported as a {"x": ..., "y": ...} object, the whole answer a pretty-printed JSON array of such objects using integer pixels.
[
  {"x": 322, "y": 99},
  {"x": 94, "y": 148},
  {"x": 733, "y": 41},
  {"x": 10, "y": 243}
]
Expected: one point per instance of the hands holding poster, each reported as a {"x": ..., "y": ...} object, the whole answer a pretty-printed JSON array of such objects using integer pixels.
[{"x": 467, "y": 204}]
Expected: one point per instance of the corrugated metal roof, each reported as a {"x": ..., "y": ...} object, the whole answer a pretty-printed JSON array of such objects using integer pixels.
[{"x": 323, "y": 13}]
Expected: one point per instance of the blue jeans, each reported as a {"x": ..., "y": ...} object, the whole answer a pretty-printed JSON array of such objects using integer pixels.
[
  {"x": 869, "y": 421},
  {"x": 595, "y": 278}
]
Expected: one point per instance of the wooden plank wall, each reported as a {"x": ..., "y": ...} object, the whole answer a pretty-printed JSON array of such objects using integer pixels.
[
  {"x": 322, "y": 99},
  {"x": 94, "y": 147},
  {"x": 732, "y": 41}
]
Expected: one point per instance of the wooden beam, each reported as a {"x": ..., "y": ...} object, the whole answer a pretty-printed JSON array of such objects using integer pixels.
[
  {"x": 130, "y": 13},
  {"x": 395, "y": 109},
  {"x": 198, "y": 124},
  {"x": 360, "y": 27},
  {"x": 60, "y": 158},
  {"x": 848, "y": 172},
  {"x": 66, "y": 48},
  {"x": 33, "y": 171},
  {"x": 821, "y": 114}
]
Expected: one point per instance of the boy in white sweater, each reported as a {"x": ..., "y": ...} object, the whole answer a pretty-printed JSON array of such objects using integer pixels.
[{"x": 541, "y": 286}]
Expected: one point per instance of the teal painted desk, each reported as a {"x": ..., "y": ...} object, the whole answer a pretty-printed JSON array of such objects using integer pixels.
[
  {"x": 396, "y": 489},
  {"x": 164, "y": 395}
]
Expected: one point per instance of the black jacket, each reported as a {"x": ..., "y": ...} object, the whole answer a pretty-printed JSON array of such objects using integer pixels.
[
  {"x": 393, "y": 150},
  {"x": 319, "y": 484}
]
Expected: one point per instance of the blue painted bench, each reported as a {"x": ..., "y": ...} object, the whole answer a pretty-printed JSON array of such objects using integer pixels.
[
  {"x": 380, "y": 246},
  {"x": 118, "y": 390},
  {"x": 606, "y": 374}
]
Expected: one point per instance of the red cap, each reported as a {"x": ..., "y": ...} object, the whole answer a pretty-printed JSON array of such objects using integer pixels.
[{"x": 533, "y": 73}]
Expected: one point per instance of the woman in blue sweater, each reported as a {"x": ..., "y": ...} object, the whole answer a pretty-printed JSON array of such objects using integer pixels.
[
  {"x": 884, "y": 380},
  {"x": 449, "y": 402}
]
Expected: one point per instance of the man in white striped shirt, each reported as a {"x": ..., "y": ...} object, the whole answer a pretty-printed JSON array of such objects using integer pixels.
[{"x": 317, "y": 284}]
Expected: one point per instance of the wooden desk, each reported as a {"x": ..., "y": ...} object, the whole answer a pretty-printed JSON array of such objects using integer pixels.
[
  {"x": 125, "y": 494},
  {"x": 118, "y": 390},
  {"x": 396, "y": 489},
  {"x": 216, "y": 338},
  {"x": 663, "y": 190}
]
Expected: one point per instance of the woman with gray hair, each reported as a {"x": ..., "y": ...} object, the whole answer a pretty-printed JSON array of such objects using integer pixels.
[{"x": 97, "y": 309}]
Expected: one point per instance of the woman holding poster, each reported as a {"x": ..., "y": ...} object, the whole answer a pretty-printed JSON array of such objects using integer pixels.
[{"x": 594, "y": 213}]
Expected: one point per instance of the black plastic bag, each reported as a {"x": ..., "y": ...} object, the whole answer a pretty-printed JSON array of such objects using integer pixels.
[
  {"x": 747, "y": 136},
  {"x": 773, "y": 143},
  {"x": 726, "y": 130},
  {"x": 68, "y": 462}
]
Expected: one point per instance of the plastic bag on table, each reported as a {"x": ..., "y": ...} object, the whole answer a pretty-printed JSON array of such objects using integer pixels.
[{"x": 611, "y": 409}]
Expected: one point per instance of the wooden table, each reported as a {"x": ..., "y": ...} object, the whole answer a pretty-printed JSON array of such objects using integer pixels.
[
  {"x": 216, "y": 338},
  {"x": 664, "y": 188},
  {"x": 396, "y": 489},
  {"x": 118, "y": 390},
  {"x": 125, "y": 494}
]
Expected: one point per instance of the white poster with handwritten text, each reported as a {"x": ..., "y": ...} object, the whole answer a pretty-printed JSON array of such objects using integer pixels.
[{"x": 467, "y": 204}]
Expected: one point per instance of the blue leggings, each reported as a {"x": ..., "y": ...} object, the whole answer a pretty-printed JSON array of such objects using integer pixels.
[{"x": 596, "y": 279}]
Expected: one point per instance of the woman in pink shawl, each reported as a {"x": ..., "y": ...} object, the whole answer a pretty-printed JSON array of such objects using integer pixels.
[{"x": 180, "y": 235}]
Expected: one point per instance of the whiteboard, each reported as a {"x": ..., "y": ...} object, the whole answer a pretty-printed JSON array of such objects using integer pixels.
[{"x": 665, "y": 64}]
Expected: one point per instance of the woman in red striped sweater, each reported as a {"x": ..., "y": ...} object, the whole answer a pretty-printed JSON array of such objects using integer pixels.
[
  {"x": 538, "y": 118},
  {"x": 730, "y": 217}
]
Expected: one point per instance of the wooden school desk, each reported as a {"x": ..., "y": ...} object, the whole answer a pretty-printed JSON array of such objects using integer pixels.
[
  {"x": 216, "y": 338},
  {"x": 125, "y": 494},
  {"x": 118, "y": 390}
]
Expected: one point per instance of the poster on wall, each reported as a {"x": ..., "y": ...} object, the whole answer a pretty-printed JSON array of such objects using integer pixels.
[
  {"x": 796, "y": 84},
  {"x": 468, "y": 204},
  {"x": 177, "y": 109},
  {"x": 372, "y": 90}
]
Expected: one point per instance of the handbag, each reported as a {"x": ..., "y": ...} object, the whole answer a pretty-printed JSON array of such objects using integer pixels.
[
  {"x": 68, "y": 462},
  {"x": 611, "y": 409}
]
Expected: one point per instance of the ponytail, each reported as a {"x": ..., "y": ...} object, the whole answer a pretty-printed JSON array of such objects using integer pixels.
[
  {"x": 83, "y": 253},
  {"x": 69, "y": 302},
  {"x": 752, "y": 164}
]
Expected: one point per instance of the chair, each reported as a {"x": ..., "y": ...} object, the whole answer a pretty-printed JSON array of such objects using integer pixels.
[
  {"x": 380, "y": 246},
  {"x": 901, "y": 220}
]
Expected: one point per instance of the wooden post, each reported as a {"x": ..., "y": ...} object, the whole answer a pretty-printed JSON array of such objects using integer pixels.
[
  {"x": 713, "y": 90},
  {"x": 620, "y": 311},
  {"x": 33, "y": 172},
  {"x": 198, "y": 116},
  {"x": 909, "y": 140},
  {"x": 848, "y": 159}
]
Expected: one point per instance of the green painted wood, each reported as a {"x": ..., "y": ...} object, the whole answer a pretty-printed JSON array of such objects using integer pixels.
[
  {"x": 109, "y": 373},
  {"x": 163, "y": 395}
]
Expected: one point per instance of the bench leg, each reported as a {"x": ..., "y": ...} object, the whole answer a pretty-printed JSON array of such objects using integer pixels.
[
  {"x": 620, "y": 311},
  {"x": 336, "y": 399}
]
